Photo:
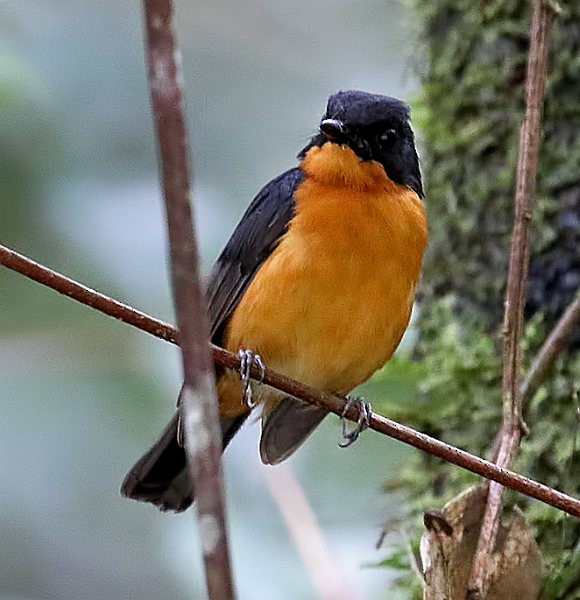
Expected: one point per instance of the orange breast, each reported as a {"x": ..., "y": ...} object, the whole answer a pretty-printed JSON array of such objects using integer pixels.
[{"x": 330, "y": 305}]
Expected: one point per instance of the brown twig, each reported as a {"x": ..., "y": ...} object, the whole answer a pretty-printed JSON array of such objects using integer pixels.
[
  {"x": 335, "y": 404},
  {"x": 529, "y": 144},
  {"x": 551, "y": 348},
  {"x": 86, "y": 295},
  {"x": 199, "y": 398}
]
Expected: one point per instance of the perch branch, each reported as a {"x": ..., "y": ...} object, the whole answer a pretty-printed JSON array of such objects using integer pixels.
[
  {"x": 529, "y": 144},
  {"x": 198, "y": 397},
  {"x": 335, "y": 404}
]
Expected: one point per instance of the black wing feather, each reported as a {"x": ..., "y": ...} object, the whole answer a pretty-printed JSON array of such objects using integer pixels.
[
  {"x": 160, "y": 476},
  {"x": 257, "y": 234}
]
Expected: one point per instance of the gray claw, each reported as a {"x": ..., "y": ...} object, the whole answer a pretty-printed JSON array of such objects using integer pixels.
[
  {"x": 180, "y": 428},
  {"x": 247, "y": 359},
  {"x": 364, "y": 417}
]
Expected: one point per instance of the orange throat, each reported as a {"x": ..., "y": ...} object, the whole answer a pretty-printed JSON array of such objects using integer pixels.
[{"x": 339, "y": 166}]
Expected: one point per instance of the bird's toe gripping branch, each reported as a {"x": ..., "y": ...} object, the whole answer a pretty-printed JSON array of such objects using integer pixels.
[
  {"x": 364, "y": 417},
  {"x": 247, "y": 359}
]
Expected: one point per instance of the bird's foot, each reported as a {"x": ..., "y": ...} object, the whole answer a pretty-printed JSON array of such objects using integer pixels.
[
  {"x": 247, "y": 359},
  {"x": 364, "y": 417}
]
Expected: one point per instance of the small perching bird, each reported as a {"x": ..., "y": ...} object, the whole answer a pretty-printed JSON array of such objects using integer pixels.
[{"x": 317, "y": 281}]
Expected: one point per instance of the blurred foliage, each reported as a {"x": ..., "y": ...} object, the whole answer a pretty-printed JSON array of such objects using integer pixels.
[
  {"x": 468, "y": 111},
  {"x": 83, "y": 395}
]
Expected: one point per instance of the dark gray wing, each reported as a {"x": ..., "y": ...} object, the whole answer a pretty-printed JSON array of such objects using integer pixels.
[
  {"x": 286, "y": 427},
  {"x": 160, "y": 476},
  {"x": 257, "y": 234}
]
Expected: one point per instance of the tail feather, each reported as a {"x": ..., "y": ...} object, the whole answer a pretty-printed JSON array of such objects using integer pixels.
[
  {"x": 286, "y": 427},
  {"x": 160, "y": 476}
]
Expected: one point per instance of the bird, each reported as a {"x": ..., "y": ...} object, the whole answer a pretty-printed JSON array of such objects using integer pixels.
[{"x": 317, "y": 281}]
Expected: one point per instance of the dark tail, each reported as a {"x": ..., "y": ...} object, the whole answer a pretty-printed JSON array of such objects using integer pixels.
[{"x": 160, "y": 476}]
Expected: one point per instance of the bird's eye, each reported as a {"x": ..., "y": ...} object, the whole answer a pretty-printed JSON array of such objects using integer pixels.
[{"x": 387, "y": 138}]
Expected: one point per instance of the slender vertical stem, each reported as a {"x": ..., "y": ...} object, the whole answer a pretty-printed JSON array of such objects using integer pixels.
[
  {"x": 202, "y": 431},
  {"x": 529, "y": 144}
]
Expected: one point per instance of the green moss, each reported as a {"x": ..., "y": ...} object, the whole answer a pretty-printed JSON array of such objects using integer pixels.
[{"x": 468, "y": 111}]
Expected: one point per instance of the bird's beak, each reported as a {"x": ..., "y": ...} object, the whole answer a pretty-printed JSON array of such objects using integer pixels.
[{"x": 333, "y": 130}]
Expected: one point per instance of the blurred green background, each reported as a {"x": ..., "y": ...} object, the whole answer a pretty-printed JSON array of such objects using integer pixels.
[{"x": 82, "y": 395}]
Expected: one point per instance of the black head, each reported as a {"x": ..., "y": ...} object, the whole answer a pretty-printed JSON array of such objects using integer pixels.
[{"x": 376, "y": 128}]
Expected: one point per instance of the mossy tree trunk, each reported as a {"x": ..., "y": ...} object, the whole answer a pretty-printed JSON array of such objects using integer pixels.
[{"x": 468, "y": 111}]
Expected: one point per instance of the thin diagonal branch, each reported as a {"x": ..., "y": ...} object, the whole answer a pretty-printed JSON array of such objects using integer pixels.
[
  {"x": 524, "y": 200},
  {"x": 85, "y": 295},
  {"x": 335, "y": 404},
  {"x": 551, "y": 348},
  {"x": 199, "y": 398}
]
